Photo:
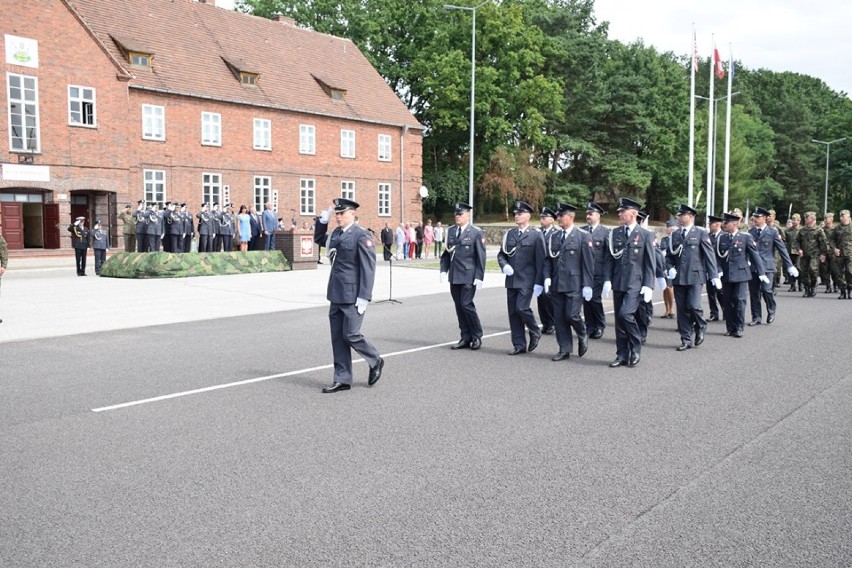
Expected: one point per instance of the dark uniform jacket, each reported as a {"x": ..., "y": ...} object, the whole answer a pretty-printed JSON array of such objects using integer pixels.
[
  {"x": 735, "y": 252},
  {"x": 464, "y": 258},
  {"x": 353, "y": 263},
  {"x": 100, "y": 239},
  {"x": 693, "y": 257},
  {"x": 630, "y": 262},
  {"x": 571, "y": 261},
  {"x": 767, "y": 243},
  {"x": 226, "y": 224},
  {"x": 174, "y": 224},
  {"x": 205, "y": 223},
  {"x": 79, "y": 236},
  {"x": 599, "y": 238},
  {"x": 525, "y": 254}
]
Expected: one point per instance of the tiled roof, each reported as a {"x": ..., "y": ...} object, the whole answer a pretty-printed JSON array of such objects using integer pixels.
[{"x": 192, "y": 41}]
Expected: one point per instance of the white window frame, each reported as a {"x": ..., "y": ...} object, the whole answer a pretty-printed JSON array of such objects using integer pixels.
[
  {"x": 80, "y": 100},
  {"x": 307, "y": 196},
  {"x": 153, "y": 122},
  {"x": 154, "y": 182},
  {"x": 385, "y": 153},
  {"x": 347, "y": 190},
  {"x": 385, "y": 193},
  {"x": 211, "y": 129},
  {"x": 262, "y": 191},
  {"x": 25, "y": 137},
  {"x": 347, "y": 143},
  {"x": 211, "y": 188},
  {"x": 307, "y": 139},
  {"x": 262, "y": 139}
]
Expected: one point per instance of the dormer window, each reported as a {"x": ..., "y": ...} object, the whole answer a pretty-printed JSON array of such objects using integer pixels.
[
  {"x": 139, "y": 59},
  {"x": 248, "y": 79},
  {"x": 239, "y": 69},
  {"x": 334, "y": 90},
  {"x": 337, "y": 94}
]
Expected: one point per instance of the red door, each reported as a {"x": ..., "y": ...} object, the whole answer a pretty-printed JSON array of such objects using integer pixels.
[
  {"x": 51, "y": 226},
  {"x": 13, "y": 224}
]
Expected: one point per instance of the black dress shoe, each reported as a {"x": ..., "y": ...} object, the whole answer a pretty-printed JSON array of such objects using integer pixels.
[
  {"x": 583, "y": 346},
  {"x": 550, "y": 330},
  {"x": 770, "y": 318},
  {"x": 597, "y": 334},
  {"x": 336, "y": 387},
  {"x": 699, "y": 336},
  {"x": 728, "y": 333},
  {"x": 476, "y": 344},
  {"x": 684, "y": 346},
  {"x": 534, "y": 339},
  {"x": 713, "y": 318},
  {"x": 634, "y": 360},
  {"x": 617, "y": 363},
  {"x": 561, "y": 356},
  {"x": 754, "y": 322},
  {"x": 737, "y": 334},
  {"x": 376, "y": 372},
  {"x": 462, "y": 344},
  {"x": 517, "y": 351}
]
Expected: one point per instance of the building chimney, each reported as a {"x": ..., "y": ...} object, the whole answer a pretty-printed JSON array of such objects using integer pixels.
[{"x": 277, "y": 17}]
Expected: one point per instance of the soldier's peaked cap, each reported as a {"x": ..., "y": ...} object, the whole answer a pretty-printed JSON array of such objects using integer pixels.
[
  {"x": 80, "y": 219},
  {"x": 594, "y": 208},
  {"x": 685, "y": 209},
  {"x": 523, "y": 207},
  {"x": 342, "y": 204},
  {"x": 760, "y": 212},
  {"x": 642, "y": 215},
  {"x": 714, "y": 219},
  {"x": 730, "y": 217},
  {"x": 563, "y": 208},
  {"x": 673, "y": 223},
  {"x": 627, "y": 203},
  {"x": 461, "y": 207},
  {"x": 547, "y": 212}
]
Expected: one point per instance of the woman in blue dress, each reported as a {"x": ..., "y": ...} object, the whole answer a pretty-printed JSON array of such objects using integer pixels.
[{"x": 244, "y": 227}]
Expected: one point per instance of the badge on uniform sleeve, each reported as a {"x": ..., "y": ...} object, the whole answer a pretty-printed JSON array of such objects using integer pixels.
[
  {"x": 483, "y": 240},
  {"x": 368, "y": 242}
]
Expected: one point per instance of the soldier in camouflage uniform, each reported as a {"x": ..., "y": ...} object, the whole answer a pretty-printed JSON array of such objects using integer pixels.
[
  {"x": 813, "y": 247},
  {"x": 828, "y": 269},
  {"x": 790, "y": 240},
  {"x": 841, "y": 242}
]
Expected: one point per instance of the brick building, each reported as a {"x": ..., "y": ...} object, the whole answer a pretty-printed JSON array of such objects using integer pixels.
[{"x": 109, "y": 101}]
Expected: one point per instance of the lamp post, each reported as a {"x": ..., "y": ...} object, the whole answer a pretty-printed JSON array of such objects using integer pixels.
[
  {"x": 472, "y": 88},
  {"x": 827, "y": 154}
]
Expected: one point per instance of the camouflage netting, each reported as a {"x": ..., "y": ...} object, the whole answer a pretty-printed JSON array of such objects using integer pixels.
[{"x": 169, "y": 265}]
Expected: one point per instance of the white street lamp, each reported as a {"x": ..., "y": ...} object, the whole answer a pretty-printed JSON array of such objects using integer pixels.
[{"x": 827, "y": 153}]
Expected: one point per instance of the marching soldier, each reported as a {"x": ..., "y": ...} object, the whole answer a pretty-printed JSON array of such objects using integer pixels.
[
  {"x": 841, "y": 240},
  {"x": 569, "y": 277},
  {"x": 80, "y": 242},
  {"x": 521, "y": 259},
  {"x": 350, "y": 289},
  {"x": 128, "y": 224},
  {"x": 544, "y": 301},
  {"x": 827, "y": 271},
  {"x": 100, "y": 245},
  {"x": 736, "y": 249},
  {"x": 463, "y": 264},
  {"x": 141, "y": 227},
  {"x": 813, "y": 246},
  {"x": 668, "y": 293},
  {"x": 645, "y": 313},
  {"x": 780, "y": 268},
  {"x": 768, "y": 243},
  {"x": 205, "y": 229},
  {"x": 790, "y": 235},
  {"x": 691, "y": 262},
  {"x": 593, "y": 309},
  {"x": 714, "y": 295},
  {"x": 629, "y": 270}
]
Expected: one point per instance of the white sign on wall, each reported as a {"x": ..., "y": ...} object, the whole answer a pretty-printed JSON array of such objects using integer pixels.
[
  {"x": 23, "y": 172},
  {"x": 21, "y": 51}
]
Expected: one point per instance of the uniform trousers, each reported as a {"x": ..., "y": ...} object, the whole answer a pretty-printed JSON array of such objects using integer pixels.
[
  {"x": 690, "y": 314},
  {"x": 758, "y": 290},
  {"x": 566, "y": 312},
  {"x": 205, "y": 243},
  {"x": 187, "y": 243},
  {"x": 628, "y": 338},
  {"x": 129, "y": 242},
  {"x": 175, "y": 243},
  {"x": 808, "y": 269},
  {"x": 469, "y": 324},
  {"x": 643, "y": 317},
  {"x": 734, "y": 305},
  {"x": 545, "y": 310},
  {"x": 228, "y": 242},
  {"x": 80, "y": 258},
  {"x": 345, "y": 323},
  {"x": 844, "y": 271},
  {"x": 100, "y": 257},
  {"x": 521, "y": 316},
  {"x": 153, "y": 243},
  {"x": 714, "y": 298},
  {"x": 141, "y": 242},
  {"x": 593, "y": 309}
]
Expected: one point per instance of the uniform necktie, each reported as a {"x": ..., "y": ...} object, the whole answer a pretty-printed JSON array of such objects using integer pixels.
[
  {"x": 758, "y": 232},
  {"x": 683, "y": 234},
  {"x": 564, "y": 234}
]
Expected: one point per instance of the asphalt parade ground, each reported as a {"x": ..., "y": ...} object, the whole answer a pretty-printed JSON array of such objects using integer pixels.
[{"x": 180, "y": 423}]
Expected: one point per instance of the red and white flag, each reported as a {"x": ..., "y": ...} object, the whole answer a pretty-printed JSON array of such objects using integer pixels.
[{"x": 718, "y": 68}]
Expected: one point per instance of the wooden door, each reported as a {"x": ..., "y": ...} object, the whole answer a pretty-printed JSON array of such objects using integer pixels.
[
  {"x": 13, "y": 225},
  {"x": 51, "y": 225}
]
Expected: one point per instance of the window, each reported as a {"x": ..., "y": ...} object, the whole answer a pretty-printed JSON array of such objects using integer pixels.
[
  {"x": 347, "y": 189},
  {"x": 23, "y": 113},
  {"x": 211, "y": 129},
  {"x": 262, "y": 134},
  {"x": 248, "y": 79},
  {"x": 307, "y": 197},
  {"x": 81, "y": 106},
  {"x": 140, "y": 59},
  {"x": 307, "y": 139},
  {"x": 153, "y": 122},
  {"x": 262, "y": 191},
  {"x": 155, "y": 186},
  {"x": 211, "y": 188},
  {"x": 384, "y": 148},
  {"x": 384, "y": 199},
  {"x": 347, "y": 143}
]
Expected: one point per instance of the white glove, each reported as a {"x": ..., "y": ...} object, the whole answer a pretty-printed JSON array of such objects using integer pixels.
[
  {"x": 442, "y": 278},
  {"x": 361, "y": 305},
  {"x": 647, "y": 293},
  {"x": 547, "y": 283},
  {"x": 661, "y": 283},
  {"x": 508, "y": 270},
  {"x": 721, "y": 274},
  {"x": 587, "y": 293},
  {"x": 763, "y": 278},
  {"x": 717, "y": 282},
  {"x": 607, "y": 288},
  {"x": 537, "y": 290},
  {"x": 793, "y": 272},
  {"x": 326, "y": 215},
  {"x": 672, "y": 273},
  {"x": 478, "y": 284}
]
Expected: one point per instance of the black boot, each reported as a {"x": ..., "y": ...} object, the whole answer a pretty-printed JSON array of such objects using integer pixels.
[
  {"x": 800, "y": 285},
  {"x": 807, "y": 292},
  {"x": 792, "y": 286},
  {"x": 842, "y": 295},
  {"x": 813, "y": 291}
]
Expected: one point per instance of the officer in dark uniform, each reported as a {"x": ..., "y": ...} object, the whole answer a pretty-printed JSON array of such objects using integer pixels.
[
  {"x": 736, "y": 249},
  {"x": 205, "y": 229},
  {"x": 645, "y": 313},
  {"x": 186, "y": 215},
  {"x": 768, "y": 241},
  {"x": 153, "y": 229},
  {"x": 569, "y": 277},
  {"x": 100, "y": 245},
  {"x": 714, "y": 295},
  {"x": 521, "y": 259},
  {"x": 544, "y": 300},
  {"x": 593, "y": 309},
  {"x": 227, "y": 228},
  {"x": 350, "y": 288},
  {"x": 80, "y": 242},
  {"x": 174, "y": 228},
  {"x": 141, "y": 227},
  {"x": 216, "y": 216},
  {"x": 629, "y": 268},
  {"x": 463, "y": 263},
  {"x": 690, "y": 263}
]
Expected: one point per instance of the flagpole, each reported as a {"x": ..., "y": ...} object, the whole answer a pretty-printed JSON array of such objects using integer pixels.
[
  {"x": 728, "y": 128},
  {"x": 693, "y": 69},
  {"x": 712, "y": 102}
]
